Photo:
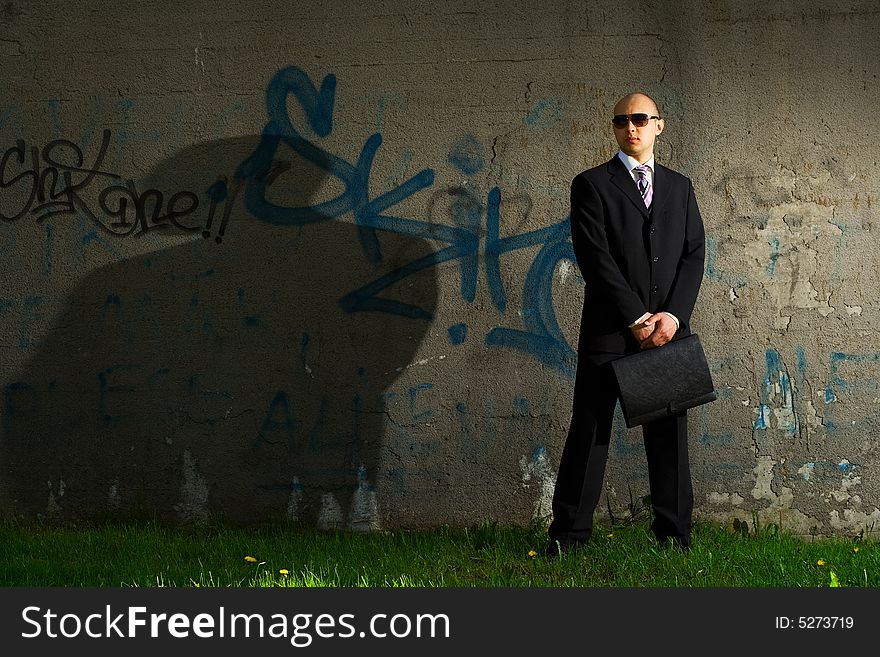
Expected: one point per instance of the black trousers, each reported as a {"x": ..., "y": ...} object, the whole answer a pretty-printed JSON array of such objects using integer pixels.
[{"x": 582, "y": 467}]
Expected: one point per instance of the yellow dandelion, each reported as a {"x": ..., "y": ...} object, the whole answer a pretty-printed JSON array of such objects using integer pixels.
[
  {"x": 856, "y": 548},
  {"x": 250, "y": 559},
  {"x": 821, "y": 562},
  {"x": 284, "y": 572},
  {"x": 611, "y": 535},
  {"x": 533, "y": 554}
]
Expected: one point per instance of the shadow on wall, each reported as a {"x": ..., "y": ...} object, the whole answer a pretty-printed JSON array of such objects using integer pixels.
[{"x": 221, "y": 375}]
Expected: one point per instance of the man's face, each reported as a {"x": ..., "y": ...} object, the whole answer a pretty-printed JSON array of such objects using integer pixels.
[{"x": 637, "y": 142}]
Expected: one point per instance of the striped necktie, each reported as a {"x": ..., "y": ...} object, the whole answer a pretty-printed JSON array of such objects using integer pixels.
[{"x": 644, "y": 183}]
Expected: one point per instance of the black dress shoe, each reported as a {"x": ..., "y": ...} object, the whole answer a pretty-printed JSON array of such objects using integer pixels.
[
  {"x": 562, "y": 546},
  {"x": 672, "y": 542}
]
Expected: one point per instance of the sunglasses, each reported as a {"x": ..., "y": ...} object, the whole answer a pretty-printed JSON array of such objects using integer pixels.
[{"x": 638, "y": 120}]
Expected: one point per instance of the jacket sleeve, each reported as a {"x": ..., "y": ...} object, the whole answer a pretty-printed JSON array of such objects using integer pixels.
[
  {"x": 598, "y": 267},
  {"x": 689, "y": 274}
]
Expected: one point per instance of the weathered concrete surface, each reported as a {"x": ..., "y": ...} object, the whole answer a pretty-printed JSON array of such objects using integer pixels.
[{"x": 370, "y": 324}]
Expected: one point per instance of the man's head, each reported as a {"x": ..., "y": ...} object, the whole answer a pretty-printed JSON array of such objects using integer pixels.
[{"x": 636, "y": 141}]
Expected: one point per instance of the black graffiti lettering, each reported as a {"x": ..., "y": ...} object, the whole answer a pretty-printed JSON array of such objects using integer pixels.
[
  {"x": 48, "y": 157},
  {"x": 56, "y": 180},
  {"x": 95, "y": 170},
  {"x": 19, "y": 149},
  {"x": 175, "y": 213},
  {"x": 141, "y": 204},
  {"x": 131, "y": 209},
  {"x": 217, "y": 193},
  {"x": 119, "y": 211},
  {"x": 230, "y": 200},
  {"x": 67, "y": 199}
]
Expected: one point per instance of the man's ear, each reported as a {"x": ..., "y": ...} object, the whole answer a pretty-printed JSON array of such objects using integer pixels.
[{"x": 660, "y": 126}]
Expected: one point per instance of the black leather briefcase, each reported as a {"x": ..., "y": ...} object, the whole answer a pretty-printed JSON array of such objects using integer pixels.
[{"x": 663, "y": 381}]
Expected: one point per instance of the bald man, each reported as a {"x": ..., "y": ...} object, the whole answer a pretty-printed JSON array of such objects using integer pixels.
[{"x": 639, "y": 242}]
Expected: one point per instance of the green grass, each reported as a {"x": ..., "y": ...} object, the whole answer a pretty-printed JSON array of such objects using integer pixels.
[{"x": 150, "y": 554}]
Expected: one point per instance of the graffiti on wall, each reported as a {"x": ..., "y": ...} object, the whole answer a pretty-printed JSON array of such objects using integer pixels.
[
  {"x": 540, "y": 336},
  {"x": 55, "y": 180}
]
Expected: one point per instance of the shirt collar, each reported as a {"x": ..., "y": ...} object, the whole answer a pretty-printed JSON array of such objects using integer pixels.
[{"x": 631, "y": 163}]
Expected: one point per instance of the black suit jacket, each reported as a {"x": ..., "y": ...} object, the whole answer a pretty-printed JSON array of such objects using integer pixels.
[{"x": 634, "y": 260}]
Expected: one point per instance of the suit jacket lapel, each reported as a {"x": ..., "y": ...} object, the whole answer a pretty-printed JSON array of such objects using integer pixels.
[
  {"x": 624, "y": 181},
  {"x": 661, "y": 190}
]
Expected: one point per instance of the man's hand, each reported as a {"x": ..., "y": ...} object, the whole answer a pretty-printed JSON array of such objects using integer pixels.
[
  {"x": 642, "y": 330},
  {"x": 664, "y": 327}
]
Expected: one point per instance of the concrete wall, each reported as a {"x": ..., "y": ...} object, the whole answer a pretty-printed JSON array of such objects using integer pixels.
[{"x": 311, "y": 260}]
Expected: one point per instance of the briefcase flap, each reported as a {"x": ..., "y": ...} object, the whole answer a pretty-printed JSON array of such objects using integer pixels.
[{"x": 663, "y": 381}]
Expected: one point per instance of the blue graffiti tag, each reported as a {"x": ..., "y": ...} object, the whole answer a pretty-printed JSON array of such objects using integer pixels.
[
  {"x": 541, "y": 338},
  {"x": 838, "y": 383},
  {"x": 777, "y": 381}
]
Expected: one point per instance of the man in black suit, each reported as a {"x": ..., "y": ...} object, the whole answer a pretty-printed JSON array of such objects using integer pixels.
[{"x": 639, "y": 242}]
